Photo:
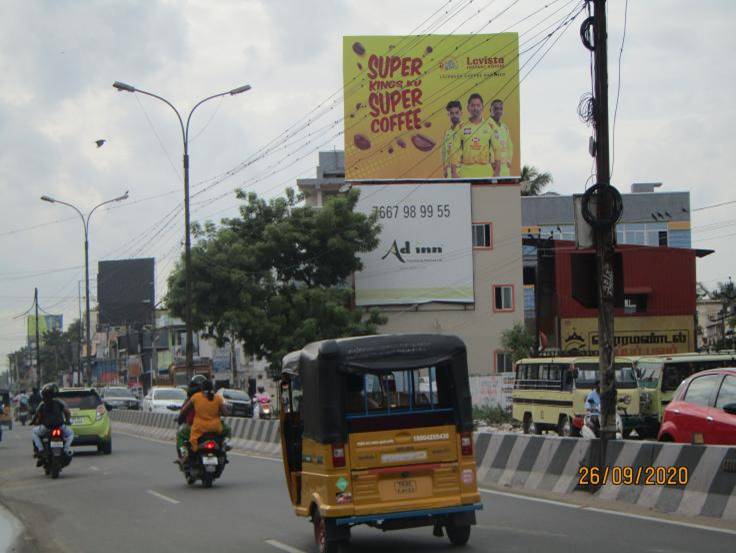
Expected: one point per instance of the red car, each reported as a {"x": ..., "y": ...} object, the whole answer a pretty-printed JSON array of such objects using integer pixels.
[{"x": 703, "y": 410}]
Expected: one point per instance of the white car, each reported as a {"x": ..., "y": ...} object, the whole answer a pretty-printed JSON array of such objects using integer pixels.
[{"x": 164, "y": 400}]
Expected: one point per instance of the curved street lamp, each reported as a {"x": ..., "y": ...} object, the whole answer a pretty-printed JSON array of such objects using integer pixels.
[
  {"x": 123, "y": 87},
  {"x": 85, "y": 223}
]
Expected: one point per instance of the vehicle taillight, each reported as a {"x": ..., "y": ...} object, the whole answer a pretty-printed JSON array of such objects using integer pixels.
[
  {"x": 100, "y": 412},
  {"x": 210, "y": 445},
  {"x": 466, "y": 443},
  {"x": 338, "y": 455},
  {"x": 56, "y": 433}
]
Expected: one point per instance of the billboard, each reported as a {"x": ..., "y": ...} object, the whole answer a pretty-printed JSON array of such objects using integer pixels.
[
  {"x": 425, "y": 250},
  {"x": 125, "y": 291},
  {"x": 431, "y": 107},
  {"x": 46, "y": 323},
  {"x": 632, "y": 335}
]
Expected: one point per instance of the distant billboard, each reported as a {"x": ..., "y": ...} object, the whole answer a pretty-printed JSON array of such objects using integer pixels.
[
  {"x": 425, "y": 250},
  {"x": 432, "y": 107},
  {"x": 125, "y": 291},
  {"x": 46, "y": 323}
]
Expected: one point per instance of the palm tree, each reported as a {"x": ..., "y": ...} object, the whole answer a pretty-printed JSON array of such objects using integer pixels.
[{"x": 532, "y": 181}]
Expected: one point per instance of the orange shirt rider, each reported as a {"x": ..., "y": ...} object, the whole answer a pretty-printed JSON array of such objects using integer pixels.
[{"x": 208, "y": 408}]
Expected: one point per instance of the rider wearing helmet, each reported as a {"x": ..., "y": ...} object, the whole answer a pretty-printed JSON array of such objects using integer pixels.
[
  {"x": 207, "y": 408},
  {"x": 198, "y": 383},
  {"x": 51, "y": 413}
]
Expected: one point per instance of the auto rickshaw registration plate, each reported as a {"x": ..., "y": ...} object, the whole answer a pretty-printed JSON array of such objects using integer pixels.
[
  {"x": 400, "y": 488},
  {"x": 405, "y": 487}
]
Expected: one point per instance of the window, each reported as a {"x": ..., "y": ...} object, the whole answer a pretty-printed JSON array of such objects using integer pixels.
[
  {"x": 503, "y": 297},
  {"x": 700, "y": 391},
  {"x": 483, "y": 235},
  {"x": 503, "y": 362},
  {"x": 397, "y": 391},
  {"x": 727, "y": 393}
]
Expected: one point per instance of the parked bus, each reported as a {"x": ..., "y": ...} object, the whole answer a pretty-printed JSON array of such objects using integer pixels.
[
  {"x": 549, "y": 393},
  {"x": 660, "y": 376}
]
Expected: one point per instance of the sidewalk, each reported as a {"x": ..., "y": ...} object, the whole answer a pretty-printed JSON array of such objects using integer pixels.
[{"x": 10, "y": 531}]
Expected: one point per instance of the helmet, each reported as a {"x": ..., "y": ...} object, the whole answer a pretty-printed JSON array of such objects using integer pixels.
[
  {"x": 49, "y": 391},
  {"x": 197, "y": 383},
  {"x": 207, "y": 385},
  {"x": 261, "y": 389}
]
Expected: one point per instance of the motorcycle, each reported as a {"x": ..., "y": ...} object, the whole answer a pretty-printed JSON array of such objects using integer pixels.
[
  {"x": 264, "y": 407},
  {"x": 54, "y": 457},
  {"x": 591, "y": 427},
  {"x": 23, "y": 414},
  {"x": 207, "y": 463}
]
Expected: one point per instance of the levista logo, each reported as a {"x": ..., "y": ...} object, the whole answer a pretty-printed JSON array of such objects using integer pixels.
[{"x": 406, "y": 251}]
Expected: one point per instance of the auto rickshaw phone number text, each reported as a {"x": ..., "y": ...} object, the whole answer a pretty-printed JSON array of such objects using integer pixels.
[
  {"x": 410, "y": 211},
  {"x": 636, "y": 476}
]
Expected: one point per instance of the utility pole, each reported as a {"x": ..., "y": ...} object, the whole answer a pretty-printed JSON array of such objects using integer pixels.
[
  {"x": 605, "y": 233},
  {"x": 78, "y": 380},
  {"x": 38, "y": 341},
  {"x": 233, "y": 361}
]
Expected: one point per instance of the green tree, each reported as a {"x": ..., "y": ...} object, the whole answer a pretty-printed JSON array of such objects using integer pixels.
[
  {"x": 517, "y": 341},
  {"x": 59, "y": 352},
  {"x": 533, "y": 182},
  {"x": 277, "y": 277}
]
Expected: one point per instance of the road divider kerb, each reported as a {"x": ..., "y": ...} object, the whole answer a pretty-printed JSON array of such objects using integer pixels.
[{"x": 552, "y": 464}]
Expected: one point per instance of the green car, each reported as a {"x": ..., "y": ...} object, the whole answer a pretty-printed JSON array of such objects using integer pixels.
[{"x": 90, "y": 421}]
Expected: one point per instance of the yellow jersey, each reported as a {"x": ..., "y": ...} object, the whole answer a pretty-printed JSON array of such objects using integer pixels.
[
  {"x": 472, "y": 152},
  {"x": 447, "y": 143},
  {"x": 501, "y": 146}
]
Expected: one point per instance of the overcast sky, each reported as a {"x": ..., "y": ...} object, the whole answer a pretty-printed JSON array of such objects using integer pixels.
[{"x": 59, "y": 58}]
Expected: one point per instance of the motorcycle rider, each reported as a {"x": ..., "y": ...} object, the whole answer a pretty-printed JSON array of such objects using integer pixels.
[
  {"x": 51, "y": 413},
  {"x": 261, "y": 398},
  {"x": 593, "y": 406},
  {"x": 208, "y": 408},
  {"x": 197, "y": 384},
  {"x": 34, "y": 400}
]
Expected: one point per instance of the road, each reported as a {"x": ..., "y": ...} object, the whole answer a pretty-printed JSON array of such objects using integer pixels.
[{"x": 137, "y": 500}]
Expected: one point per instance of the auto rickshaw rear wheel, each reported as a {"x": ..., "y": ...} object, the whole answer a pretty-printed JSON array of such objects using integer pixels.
[
  {"x": 458, "y": 534},
  {"x": 320, "y": 535}
]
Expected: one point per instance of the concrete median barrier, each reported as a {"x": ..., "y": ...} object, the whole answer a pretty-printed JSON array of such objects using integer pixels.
[
  {"x": 703, "y": 482},
  {"x": 251, "y": 435}
]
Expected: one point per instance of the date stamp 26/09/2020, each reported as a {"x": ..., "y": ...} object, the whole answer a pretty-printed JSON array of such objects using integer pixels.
[{"x": 633, "y": 476}]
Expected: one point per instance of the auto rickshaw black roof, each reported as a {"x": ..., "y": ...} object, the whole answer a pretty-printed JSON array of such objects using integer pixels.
[{"x": 325, "y": 365}]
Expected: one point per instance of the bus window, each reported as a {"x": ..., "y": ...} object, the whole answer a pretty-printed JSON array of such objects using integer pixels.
[{"x": 649, "y": 373}]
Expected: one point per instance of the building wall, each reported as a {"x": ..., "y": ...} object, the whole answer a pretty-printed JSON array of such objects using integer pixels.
[{"x": 478, "y": 324}]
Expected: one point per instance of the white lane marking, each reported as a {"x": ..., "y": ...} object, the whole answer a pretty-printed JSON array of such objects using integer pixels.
[
  {"x": 162, "y": 496},
  {"x": 94, "y": 468},
  {"x": 283, "y": 547},
  {"x": 611, "y": 512}
]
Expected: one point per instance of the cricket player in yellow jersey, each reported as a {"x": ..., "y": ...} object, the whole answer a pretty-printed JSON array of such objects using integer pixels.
[
  {"x": 471, "y": 152},
  {"x": 502, "y": 149},
  {"x": 455, "y": 113}
]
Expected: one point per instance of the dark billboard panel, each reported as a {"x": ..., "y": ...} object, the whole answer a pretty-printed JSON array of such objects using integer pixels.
[{"x": 125, "y": 291}]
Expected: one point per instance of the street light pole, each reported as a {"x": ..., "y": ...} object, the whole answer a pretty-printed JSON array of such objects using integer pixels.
[
  {"x": 123, "y": 87},
  {"x": 85, "y": 224}
]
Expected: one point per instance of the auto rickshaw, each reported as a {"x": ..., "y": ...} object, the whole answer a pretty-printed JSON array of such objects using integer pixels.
[
  {"x": 377, "y": 430},
  {"x": 6, "y": 417}
]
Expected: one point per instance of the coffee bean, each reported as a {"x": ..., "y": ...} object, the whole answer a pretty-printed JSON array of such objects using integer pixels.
[
  {"x": 358, "y": 48},
  {"x": 358, "y": 105},
  {"x": 360, "y": 66},
  {"x": 401, "y": 143},
  {"x": 428, "y": 123},
  {"x": 429, "y": 50},
  {"x": 362, "y": 142},
  {"x": 423, "y": 143},
  {"x": 390, "y": 150}
]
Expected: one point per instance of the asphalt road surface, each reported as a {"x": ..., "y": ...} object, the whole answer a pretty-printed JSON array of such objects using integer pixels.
[{"x": 137, "y": 500}]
